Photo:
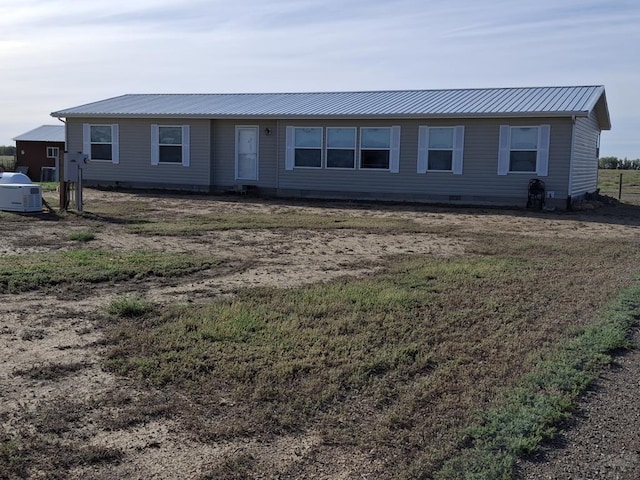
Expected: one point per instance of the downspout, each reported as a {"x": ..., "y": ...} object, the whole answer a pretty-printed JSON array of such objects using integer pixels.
[
  {"x": 277, "y": 156},
  {"x": 571, "y": 161}
]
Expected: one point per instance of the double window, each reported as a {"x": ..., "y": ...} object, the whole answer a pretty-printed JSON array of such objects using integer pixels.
[
  {"x": 339, "y": 148},
  {"x": 524, "y": 150},
  {"x": 53, "y": 152},
  {"x": 100, "y": 142},
  {"x": 440, "y": 149},
  {"x": 170, "y": 145}
]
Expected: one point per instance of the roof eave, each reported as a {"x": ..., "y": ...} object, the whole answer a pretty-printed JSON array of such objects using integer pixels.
[{"x": 391, "y": 116}]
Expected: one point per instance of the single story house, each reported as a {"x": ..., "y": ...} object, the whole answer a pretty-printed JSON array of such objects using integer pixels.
[
  {"x": 470, "y": 146},
  {"x": 38, "y": 150}
]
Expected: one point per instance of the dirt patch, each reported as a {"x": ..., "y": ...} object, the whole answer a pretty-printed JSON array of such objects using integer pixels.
[{"x": 50, "y": 343}]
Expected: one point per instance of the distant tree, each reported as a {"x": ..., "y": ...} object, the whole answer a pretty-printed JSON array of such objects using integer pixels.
[
  {"x": 619, "y": 163},
  {"x": 7, "y": 150},
  {"x": 609, "y": 162}
]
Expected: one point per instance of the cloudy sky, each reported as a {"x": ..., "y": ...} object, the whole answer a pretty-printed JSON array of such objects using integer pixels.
[{"x": 63, "y": 53}]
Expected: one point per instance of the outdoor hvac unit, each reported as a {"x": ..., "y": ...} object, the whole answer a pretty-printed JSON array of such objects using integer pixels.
[{"x": 18, "y": 194}]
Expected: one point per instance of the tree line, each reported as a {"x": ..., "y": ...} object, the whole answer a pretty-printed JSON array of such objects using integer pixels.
[
  {"x": 7, "y": 150},
  {"x": 616, "y": 163}
]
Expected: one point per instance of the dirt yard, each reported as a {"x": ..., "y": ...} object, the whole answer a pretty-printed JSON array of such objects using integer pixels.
[{"x": 38, "y": 329}]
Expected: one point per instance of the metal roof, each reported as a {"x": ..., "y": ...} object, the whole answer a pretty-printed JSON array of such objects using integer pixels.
[
  {"x": 44, "y": 133},
  {"x": 534, "y": 101}
]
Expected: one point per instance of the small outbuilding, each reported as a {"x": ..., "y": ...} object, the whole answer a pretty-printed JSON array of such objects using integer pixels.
[
  {"x": 465, "y": 146},
  {"x": 38, "y": 150}
]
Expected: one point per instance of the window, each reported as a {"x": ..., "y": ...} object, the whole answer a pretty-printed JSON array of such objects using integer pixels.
[
  {"x": 524, "y": 150},
  {"x": 379, "y": 148},
  {"x": 170, "y": 145},
  {"x": 100, "y": 142},
  {"x": 52, "y": 152},
  {"x": 308, "y": 147},
  {"x": 440, "y": 149},
  {"x": 375, "y": 148},
  {"x": 341, "y": 147}
]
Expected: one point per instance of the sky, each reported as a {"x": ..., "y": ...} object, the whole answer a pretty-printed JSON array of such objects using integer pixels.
[{"x": 64, "y": 53}]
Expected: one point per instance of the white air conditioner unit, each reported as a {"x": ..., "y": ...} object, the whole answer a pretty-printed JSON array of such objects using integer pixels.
[{"x": 18, "y": 194}]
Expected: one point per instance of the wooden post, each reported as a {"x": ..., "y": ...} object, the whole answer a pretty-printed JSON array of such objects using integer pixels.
[
  {"x": 63, "y": 187},
  {"x": 620, "y": 189}
]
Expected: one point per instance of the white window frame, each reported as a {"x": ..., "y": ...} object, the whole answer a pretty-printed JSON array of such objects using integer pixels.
[
  {"x": 457, "y": 149},
  {"x": 53, "y": 152},
  {"x": 185, "y": 145},
  {"x": 394, "y": 149},
  {"x": 115, "y": 142},
  {"x": 354, "y": 149},
  {"x": 292, "y": 140},
  {"x": 542, "y": 150}
]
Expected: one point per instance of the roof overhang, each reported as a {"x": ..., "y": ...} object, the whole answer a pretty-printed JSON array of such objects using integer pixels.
[{"x": 326, "y": 117}]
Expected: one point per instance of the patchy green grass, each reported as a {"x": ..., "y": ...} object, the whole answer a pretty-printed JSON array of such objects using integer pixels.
[
  {"x": 82, "y": 236},
  {"x": 36, "y": 271},
  {"x": 530, "y": 412},
  {"x": 198, "y": 224},
  {"x": 51, "y": 371},
  {"x": 609, "y": 182},
  {"x": 132, "y": 305},
  {"x": 49, "y": 186},
  {"x": 393, "y": 367},
  {"x": 401, "y": 360}
]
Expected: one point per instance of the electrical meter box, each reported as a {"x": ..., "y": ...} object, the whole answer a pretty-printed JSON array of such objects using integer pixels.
[{"x": 73, "y": 162}]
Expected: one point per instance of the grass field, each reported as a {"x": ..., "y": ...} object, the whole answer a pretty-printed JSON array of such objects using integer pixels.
[
  {"x": 609, "y": 184},
  {"x": 430, "y": 367}
]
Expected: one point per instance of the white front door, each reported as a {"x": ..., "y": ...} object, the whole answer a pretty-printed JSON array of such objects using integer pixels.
[{"x": 246, "y": 153}]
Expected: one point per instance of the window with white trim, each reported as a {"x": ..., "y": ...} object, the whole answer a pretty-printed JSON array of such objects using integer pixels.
[
  {"x": 101, "y": 142},
  {"x": 375, "y": 147},
  {"x": 53, "y": 152},
  {"x": 341, "y": 147},
  {"x": 101, "y": 138},
  {"x": 440, "y": 149},
  {"x": 524, "y": 149},
  {"x": 307, "y": 146},
  {"x": 170, "y": 145}
]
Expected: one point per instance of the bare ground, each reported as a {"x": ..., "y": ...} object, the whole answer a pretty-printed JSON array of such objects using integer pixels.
[{"x": 39, "y": 331}]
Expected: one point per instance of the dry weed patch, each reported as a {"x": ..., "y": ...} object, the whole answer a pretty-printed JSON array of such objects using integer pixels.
[
  {"x": 379, "y": 376},
  {"x": 39, "y": 271},
  {"x": 197, "y": 224},
  {"x": 400, "y": 361}
]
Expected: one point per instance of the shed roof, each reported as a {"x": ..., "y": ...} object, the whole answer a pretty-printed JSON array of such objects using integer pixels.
[
  {"x": 44, "y": 133},
  {"x": 492, "y": 102}
]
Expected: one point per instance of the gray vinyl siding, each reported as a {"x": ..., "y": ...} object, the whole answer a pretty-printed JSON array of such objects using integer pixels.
[
  {"x": 479, "y": 182},
  {"x": 135, "y": 155},
  {"x": 224, "y": 153},
  {"x": 213, "y": 150},
  {"x": 584, "y": 172}
]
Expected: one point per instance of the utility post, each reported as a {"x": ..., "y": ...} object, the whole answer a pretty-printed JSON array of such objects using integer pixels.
[
  {"x": 62, "y": 189},
  {"x": 73, "y": 168}
]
